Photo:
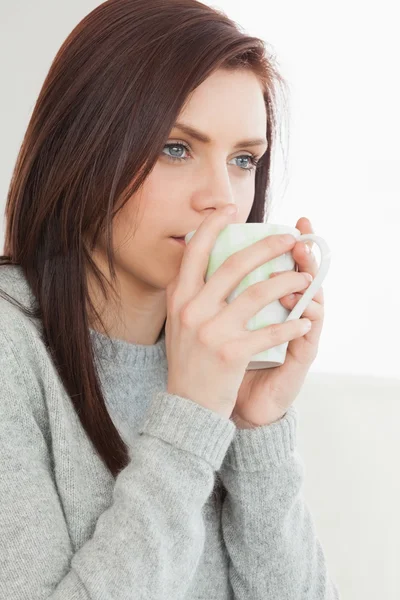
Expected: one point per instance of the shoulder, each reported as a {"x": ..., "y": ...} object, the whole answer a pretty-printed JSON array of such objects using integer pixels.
[
  {"x": 20, "y": 334},
  {"x": 24, "y": 360}
]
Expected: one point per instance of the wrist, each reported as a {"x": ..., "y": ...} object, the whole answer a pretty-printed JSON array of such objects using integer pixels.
[{"x": 243, "y": 424}]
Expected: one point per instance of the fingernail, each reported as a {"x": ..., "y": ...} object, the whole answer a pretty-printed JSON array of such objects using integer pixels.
[
  {"x": 287, "y": 238},
  {"x": 305, "y": 324},
  {"x": 307, "y": 248}
]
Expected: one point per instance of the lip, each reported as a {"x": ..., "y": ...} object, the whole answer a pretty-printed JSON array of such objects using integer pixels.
[{"x": 179, "y": 240}]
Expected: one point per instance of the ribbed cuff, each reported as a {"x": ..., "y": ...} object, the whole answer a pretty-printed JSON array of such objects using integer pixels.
[
  {"x": 254, "y": 449},
  {"x": 189, "y": 426}
]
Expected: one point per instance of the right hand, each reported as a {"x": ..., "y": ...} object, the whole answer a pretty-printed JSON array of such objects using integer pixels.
[{"x": 208, "y": 345}]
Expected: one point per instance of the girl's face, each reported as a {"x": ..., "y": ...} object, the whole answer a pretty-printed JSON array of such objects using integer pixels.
[{"x": 192, "y": 178}]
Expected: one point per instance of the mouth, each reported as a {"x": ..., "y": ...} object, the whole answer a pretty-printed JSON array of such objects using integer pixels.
[{"x": 180, "y": 240}]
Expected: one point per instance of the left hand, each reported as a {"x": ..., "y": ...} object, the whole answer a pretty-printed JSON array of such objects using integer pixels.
[{"x": 266, "y": 394}]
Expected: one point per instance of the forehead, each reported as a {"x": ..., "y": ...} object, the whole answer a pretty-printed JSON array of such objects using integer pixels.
[{"x": 227, "y": 101}]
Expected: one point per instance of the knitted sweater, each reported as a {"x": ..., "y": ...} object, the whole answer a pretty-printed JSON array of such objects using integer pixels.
[{"x": 202, "y": 511}]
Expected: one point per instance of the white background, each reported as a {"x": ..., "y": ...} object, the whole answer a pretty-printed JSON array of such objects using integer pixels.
[{"x": 343, "y": 157}]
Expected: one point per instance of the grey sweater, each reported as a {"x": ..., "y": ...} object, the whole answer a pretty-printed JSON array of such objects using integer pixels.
[{"x": 203, "y": 511}]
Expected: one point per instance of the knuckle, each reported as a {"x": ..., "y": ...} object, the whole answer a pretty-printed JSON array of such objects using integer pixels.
[
  {"x": 232, "y": 263},
  {"x": 186, "y": 317},
  {"x": 228, "y": 353},
  {"x": 173, "y": 301},
  {"x": 204, "y": 335},
  {"x": 289, "y": 282},
  {"x": 173, "y": 306},
  {"x": 256, "y": 291},
  {"x": 280, "y": 240},
  {"x": 274, "y": 331}
]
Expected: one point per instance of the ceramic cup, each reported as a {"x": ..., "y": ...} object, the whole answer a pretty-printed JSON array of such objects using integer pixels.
[{"x": 237, "y": 236}]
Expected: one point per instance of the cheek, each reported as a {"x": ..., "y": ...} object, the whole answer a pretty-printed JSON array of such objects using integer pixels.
[
  {"x": 164, "y": 197},
  {"x": 145, "y": 252},
  {"x": 244, "y": 201},
  {"x": 166, "y": 184}
]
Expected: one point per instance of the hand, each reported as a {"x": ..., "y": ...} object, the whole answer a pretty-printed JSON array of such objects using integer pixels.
[
  {"x": 266, "y": 394},
  {"x": 208, "y": 344}
]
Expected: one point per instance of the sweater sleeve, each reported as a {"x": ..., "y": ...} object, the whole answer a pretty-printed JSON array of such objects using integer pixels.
[
  {"x": 147, "y": 544},
  {"x": 268, "y": 530}
]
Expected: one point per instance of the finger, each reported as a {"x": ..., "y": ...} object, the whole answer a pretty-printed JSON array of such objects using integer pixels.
[
  {"x": 304, "y": 226},
  {"x": 255, "y": 298},
  {"x": 314, "y": 311},
  {"x": 306, "y": 261},
  {"x": 253, "y": 342},
  {"x": 212, "y": 296},
  {"x": 197, "y": 253},
  {"x": 319, "y": 296}
]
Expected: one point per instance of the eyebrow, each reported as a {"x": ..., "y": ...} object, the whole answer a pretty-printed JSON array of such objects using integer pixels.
[{"x": 205, "y": 139}]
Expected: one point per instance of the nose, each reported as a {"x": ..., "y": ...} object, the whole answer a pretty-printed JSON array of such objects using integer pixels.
[{"x": 217, "y": 189}]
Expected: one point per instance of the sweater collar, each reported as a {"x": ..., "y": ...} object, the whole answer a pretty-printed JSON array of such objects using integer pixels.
[{"x": 132, "y": 355}]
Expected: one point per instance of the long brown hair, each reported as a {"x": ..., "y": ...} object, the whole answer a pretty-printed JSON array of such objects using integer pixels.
[{"x": 102, "y": 118}]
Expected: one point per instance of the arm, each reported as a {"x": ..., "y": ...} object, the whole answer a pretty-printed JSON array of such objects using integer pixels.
[
  {"x": 147, "y": 544},
  {"x": 267, "y": 527}
]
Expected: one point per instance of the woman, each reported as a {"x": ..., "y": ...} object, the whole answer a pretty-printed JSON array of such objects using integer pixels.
[{"x": 115, "y": 420}]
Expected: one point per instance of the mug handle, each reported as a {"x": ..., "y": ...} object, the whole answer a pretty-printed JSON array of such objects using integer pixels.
[{"x": 317, "y": 281}]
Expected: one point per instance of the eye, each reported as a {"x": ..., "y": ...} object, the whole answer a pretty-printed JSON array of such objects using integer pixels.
[
  {"x": 173, "y": 147},
  {"x": 178, "y": 147},
  {"x": 252, "y": 160}
]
